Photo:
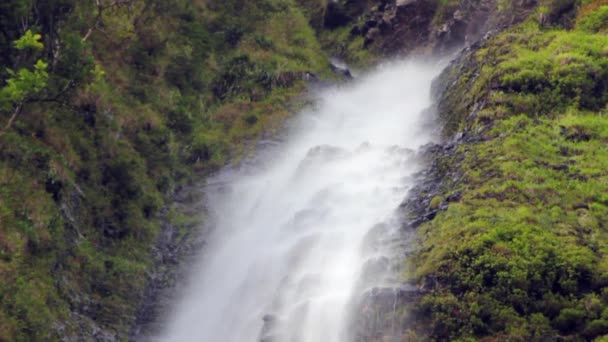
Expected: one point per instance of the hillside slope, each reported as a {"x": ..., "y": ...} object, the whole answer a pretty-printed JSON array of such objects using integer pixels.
[
  {"x": 517, "y": 250},
  {"x": 107, "y": 108}
]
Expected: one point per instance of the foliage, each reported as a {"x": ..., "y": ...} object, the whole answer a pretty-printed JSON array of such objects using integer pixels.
[
  {"x": 24, "y": 83},
  {"x": 110, "y": 127},
  {"x": 530, "y": 226},
  {"x": 29, "y": 41},
  {"x": 520, "y": 255}
]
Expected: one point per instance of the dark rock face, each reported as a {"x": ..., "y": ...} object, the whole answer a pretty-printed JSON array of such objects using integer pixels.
[
  {"x": 438, "y": 179},
  {"x": 173, "y": 251},
  {"x": 464, "y": 26},
  {"x": 401, "y": 27},
  {"x": 396, "y": 26},
  {"x": 379, "y": 315},
  {"x": 339, "y": 13},
  {"x": 86, "y": 310},
  {"x": 408, "y": 24},
  {"x": 452, "y": 108},
  {"x": 452, "y": 34},
  {"x": 375, "y": 268}
]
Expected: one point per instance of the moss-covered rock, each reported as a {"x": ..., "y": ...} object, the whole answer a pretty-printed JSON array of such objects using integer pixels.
[{"x": 519, "y": 255}]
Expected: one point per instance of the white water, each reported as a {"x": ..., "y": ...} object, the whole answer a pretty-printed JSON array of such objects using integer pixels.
[{"x": 289, "y": 228}]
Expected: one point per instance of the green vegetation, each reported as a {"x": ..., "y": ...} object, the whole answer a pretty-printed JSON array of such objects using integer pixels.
[
  {"x": 107, "y": 108},
  {"x": 530, "y": 230},
  {"x": 522, "y": 254},
  {"x": 593, "y": 17},
  {"x": 104, "y": 112}
]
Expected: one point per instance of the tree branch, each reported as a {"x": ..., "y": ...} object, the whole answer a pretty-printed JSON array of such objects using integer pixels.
[
  {"x": 100, "y": 9},
  {"x": 97, "y": 20},
  {"x": 12, "y": 119}
]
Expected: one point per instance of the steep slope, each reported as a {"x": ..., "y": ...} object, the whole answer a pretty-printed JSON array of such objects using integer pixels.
[
  {"x": 519, "y": 252},
  {"x": 111, "y": 107}
]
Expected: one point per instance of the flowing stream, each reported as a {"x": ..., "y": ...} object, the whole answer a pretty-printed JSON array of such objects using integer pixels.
[{"x": 290, "y": 253}]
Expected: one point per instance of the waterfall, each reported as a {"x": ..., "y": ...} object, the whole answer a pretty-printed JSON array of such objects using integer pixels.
[{"x": 291, "y": 245}]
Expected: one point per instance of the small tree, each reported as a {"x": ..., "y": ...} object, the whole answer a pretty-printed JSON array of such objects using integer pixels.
[{"x": 23, "y": 84}]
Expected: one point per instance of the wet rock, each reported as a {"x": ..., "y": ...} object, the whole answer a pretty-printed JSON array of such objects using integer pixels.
[
  {"x": 356, "y": 31},
  {"x": 305, "y": 218},
  {"x": 404, "y": 151},
  {"x": 269, "y": 333},
  {"x": 451, "y": 35},
  {"x": 370, "y": 36},
  {"x": 387, "y": 20},
  {"x": 439, "y": 178},
  {"x": 374, "y": 269},
  {"x": 369, "y": 24},
  {"x": 174, "y": 248},
  {"x": 374, "y": 237},
  {"x": 406, "y": 25},
  {"x": 104, "y": 336},
  {"x": 270, "y": 323},
  {"x": 340, "y": 68},
  {"x": 400, "y": 3},
  {"x": 319, "y": 156},
  {"x": 301, "y": 248},
  {"x": 324, "y": 153},
  {"x": 380, "y": 309}
]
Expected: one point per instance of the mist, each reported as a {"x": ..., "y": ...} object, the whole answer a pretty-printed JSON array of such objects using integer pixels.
[{"x": 290, "y": 227}]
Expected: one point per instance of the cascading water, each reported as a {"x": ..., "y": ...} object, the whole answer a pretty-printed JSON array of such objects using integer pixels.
[{"x": 288, "y": 251}]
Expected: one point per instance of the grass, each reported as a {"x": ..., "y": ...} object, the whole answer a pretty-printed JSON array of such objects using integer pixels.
[
  {"x": 521, "y": 255},
  {"x": 168, "y": 92},
  {"x": 530, "y": 228}
]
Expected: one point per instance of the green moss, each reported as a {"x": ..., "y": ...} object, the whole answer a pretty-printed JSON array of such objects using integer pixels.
[
  {"x": 159, "y": 95},
  {"x": 520, "y": 256},
  {"x": 436, "y": 202},
  {"x": 528, "y": 70},
  {"x": 341, "y": 43},
  {"x": 530, "y": 224}
]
